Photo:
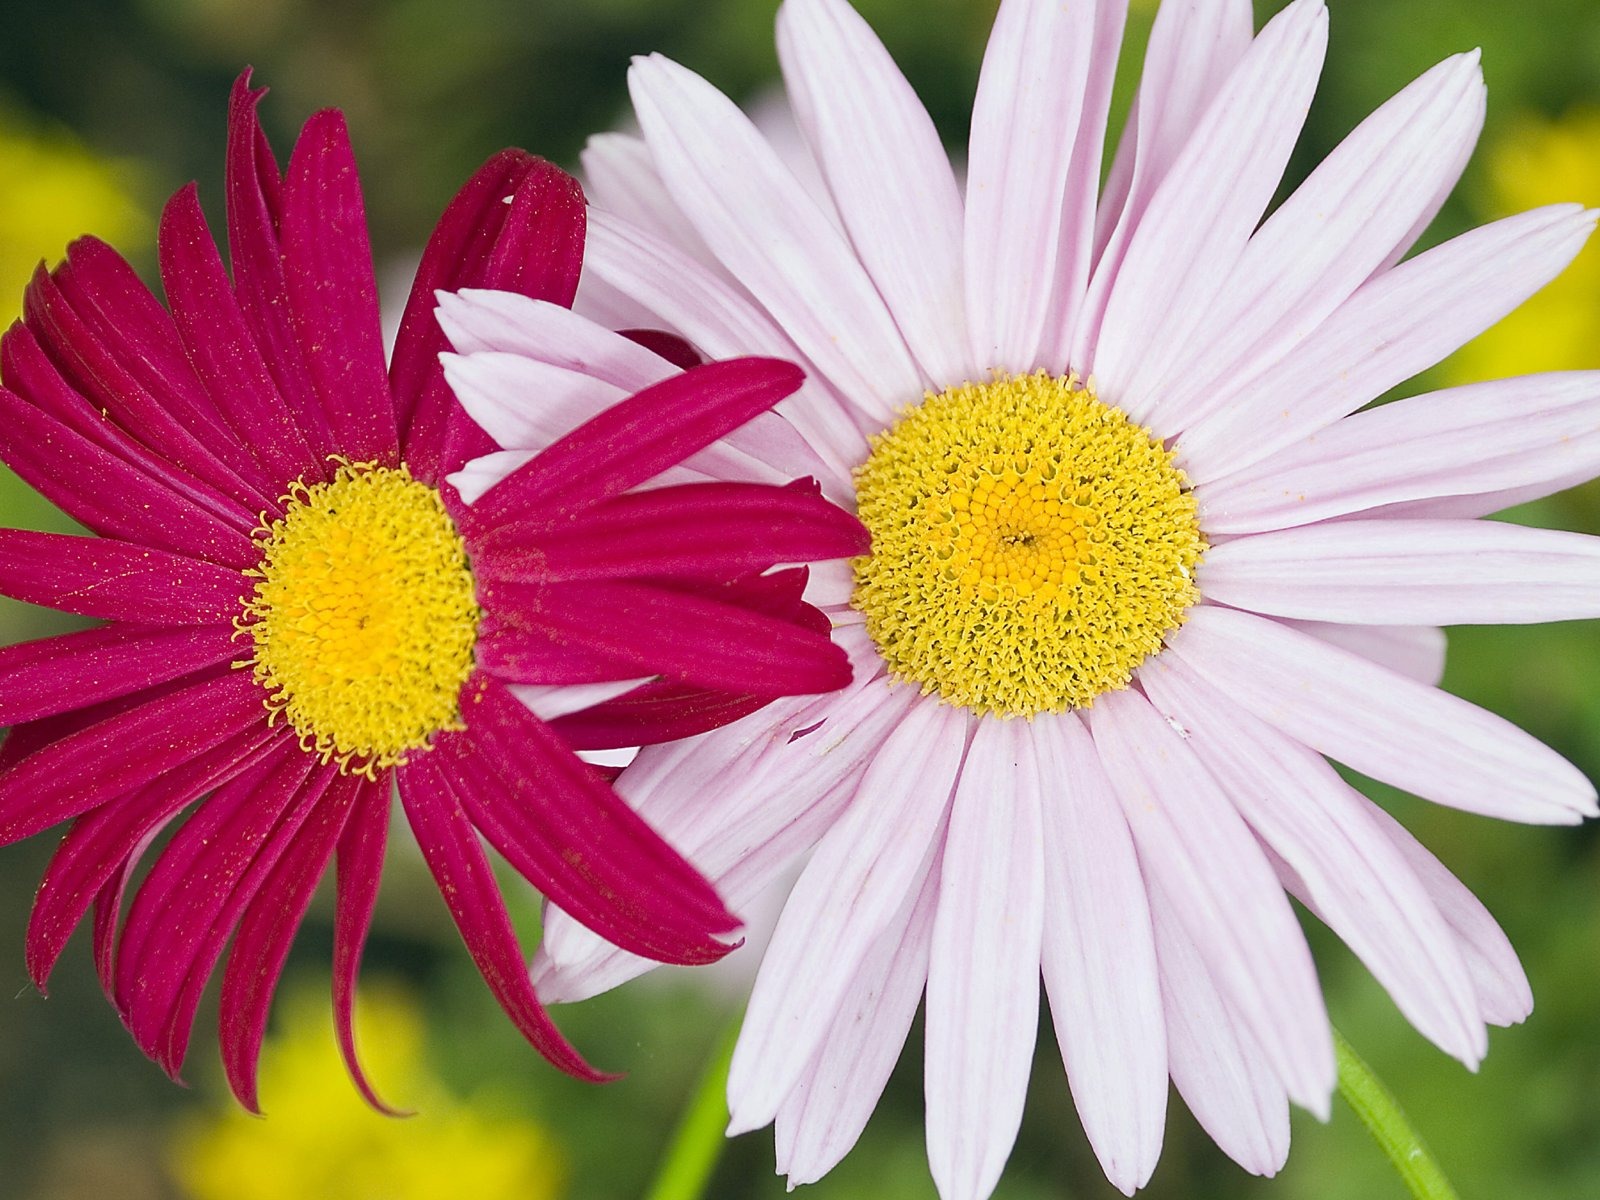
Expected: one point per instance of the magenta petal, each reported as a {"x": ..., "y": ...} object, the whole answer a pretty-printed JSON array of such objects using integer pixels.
[
  {"x": 333, "y": 296},
  {"x": 254, "y": 187},
  {"x": 637, "y": 439},
  {"x": 559, "y": 824},
  {"x": 104, "y": 492},
  {"x": 695, "y": 639},
  {"x": 517, "y": 225},
  {"x": 58, "y": 674},
  {"x": 267, "y": 930},
  {"x": 225, "y": 356},
  {"x": 651, "y": 714},
  {"x": 125, "y": 751},
  {"x": 449, "y": 843},
  {"x": 665, "y": 345},
  {"x": 117, "y": 581},
  {"x": 523, "y": 650},
  {"x": 102, "y": 841},
  {"x": 360, "y": 867},
  {"x": 167, "y": 936},
  {"x": 692, "y": 530}
]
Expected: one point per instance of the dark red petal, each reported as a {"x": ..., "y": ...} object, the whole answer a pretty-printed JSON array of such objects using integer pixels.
[
  {"x": 449, "y": 843},
  {"x": 559, "y": 824},
  {"x": 254, "y": 187},
  {"x": 666, "y": 345},
  {"x": 636, "y": 440},
  {"x": 102, "y": 491},
  {"x": 695, "y": 639},
  {"x": 690, "y": 531},
  {"x": 117, "y": 581},
  {"x": 100, "y": 348},
  {"x": 188, "y": 889},
  {"x": 653, "y": 713},
  {"x": 100, "y": 842},
  {"x": 58, "y": 674},
  {"x": 517, "y": 225},
  {"x": 266, "y": 932},
  {"x": 360, "y": 867},
  {"x": 125, "y": 751},
  {"x": 225, "y": 355},
  {"x": 333, "y": 294}
]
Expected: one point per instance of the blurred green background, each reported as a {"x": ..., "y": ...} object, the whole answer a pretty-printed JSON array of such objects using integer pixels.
[{"x": 106, "y": 107}]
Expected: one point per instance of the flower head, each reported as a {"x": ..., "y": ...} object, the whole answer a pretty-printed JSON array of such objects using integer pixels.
[
  {"x": 1137, "y": 569},
  {"x": 301, "y": 614}
]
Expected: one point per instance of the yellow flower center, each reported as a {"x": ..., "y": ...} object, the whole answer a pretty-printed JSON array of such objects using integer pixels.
[
  {"x": 364, "y": 616},
  {"x": 1031, "y": 546}
]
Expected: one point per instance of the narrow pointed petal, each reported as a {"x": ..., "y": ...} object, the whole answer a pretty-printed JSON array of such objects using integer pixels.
[
  {"x": 1099, "y": 958},
  {"x": 983, "y": 967},
  {"x": 1380, "y": 723},
  {"x": 117, "y": 581},
  {"x": 863, "y": 873},
  {"x": 449, "y": 844},
  {"x": 888, "y": 174},
  {"x": 1194, "y": 845},
  {"x": 621, "y": 178}
]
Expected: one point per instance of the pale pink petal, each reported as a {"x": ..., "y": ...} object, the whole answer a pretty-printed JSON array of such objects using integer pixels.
[
  {"x": 1326, "y": 239},
  {"x": 1198, "y": 221},
  {"x": 1504, "y": 996},
  {"x": 1099, "y": 958},
  {"x": 1193, "y": 49},
  {"x": 1217, "y": 1065},
  {"x": 887, "y": 171},
  {"x": 1394, "y": 325},
  {"x": 1337, "y": 860},
  {"x": 865, "y": 870},
  {"x": 548, "y": 703},
  {"x": 1025, "y": 122},
  {"x": 831, "y": 584},
  {"x": 827, "y": 1110},
  {"x": 1476, "y": 442},
  {"x": 768, "y": 233},
  {"x": 1381, "y": 723},
  {"x": 983, "y": 969},
  {"x": 1194, "y": 845},
  {"x": 483, "y": 472},
  {"x": 722, "y": 324},
  {"x": 1409, "y": 573},
  {"x": 1416, "y": 651},
  {"x": 523, "y": 403},
  {"x": 620, "y": 176}
]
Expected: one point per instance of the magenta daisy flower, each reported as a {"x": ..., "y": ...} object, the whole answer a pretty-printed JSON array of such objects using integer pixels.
[
  {"x": 299, "y": 617},
  {"x": 1140, "y": 569}
]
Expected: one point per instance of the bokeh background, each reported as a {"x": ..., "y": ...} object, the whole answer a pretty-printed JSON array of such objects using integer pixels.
[{"x": 107, "y": 106}]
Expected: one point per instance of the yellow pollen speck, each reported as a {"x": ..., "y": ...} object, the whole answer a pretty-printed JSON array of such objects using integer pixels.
[
  {"x": 1031, "y": 545},
  {"x": 364, "y": 616}
]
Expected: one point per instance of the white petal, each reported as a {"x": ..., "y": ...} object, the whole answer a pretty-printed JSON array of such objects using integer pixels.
[
  {"x": 522, "y": 403},
  {"x": 888, "y": 173},
  {"x": 712, "y": 315},
  {"x": 983, "y": 969},
  {"x": 771, "y": 236},
  {"x": 1193, "y": 844},
  {"x": 1217, "y": 1065},
  {"x": 1382, "y": 724},
  {"x": 1193, "y": 49},
  {"x": 483, "y": 472},
  {"x": 826, "y": 1112},
  {"x": 1476, "y": 441},
  {"x": 1340, "y": 863},
  {"x": 1327, "y": 238},
  {"x": 1409, "y": 573},
  {"x": 548, "y": 703},
  {"x": 1394, "y": 325},
  {"x": 1200, "y": 218},
  {"x": 1502, "y": 988},
  {"x": 1099, "y": 958},
  {"x": 1416, "y": 651},
  {"x": 620, "y": 176},
  {"x": 865, "y": 870}
]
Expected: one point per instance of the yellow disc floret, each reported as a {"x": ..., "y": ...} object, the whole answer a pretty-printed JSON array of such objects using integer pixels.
[
  {"x": 364, "y": 616},
  {"x": 1031, "y": 545}
]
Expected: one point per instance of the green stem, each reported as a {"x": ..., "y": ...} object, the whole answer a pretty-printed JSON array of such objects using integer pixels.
[
  {"x": 1380, "y": 1112},
  {"x": 697, "y": 1143}
]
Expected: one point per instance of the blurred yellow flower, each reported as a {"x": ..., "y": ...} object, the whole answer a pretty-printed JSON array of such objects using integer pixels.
[
  {"x": 1542, "y": 161},
  {"x": 319, "y": 1141},
  {"x": 53, "y": 189}
]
